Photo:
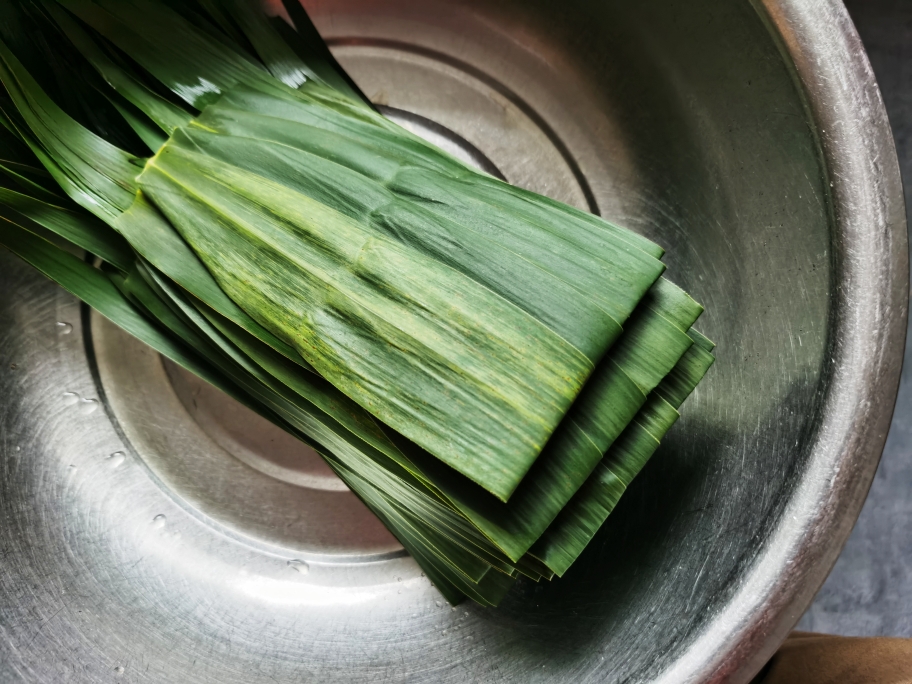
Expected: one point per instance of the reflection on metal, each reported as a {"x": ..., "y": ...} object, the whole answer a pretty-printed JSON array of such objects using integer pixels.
[
  {"x": 443, "y": 138},
  {"x": 154, "y": 539}
]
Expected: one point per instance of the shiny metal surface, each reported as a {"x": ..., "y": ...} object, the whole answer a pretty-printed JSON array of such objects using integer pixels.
[
  {"x": 150, "y": 534},
  {"x": 869, "y": 591}
]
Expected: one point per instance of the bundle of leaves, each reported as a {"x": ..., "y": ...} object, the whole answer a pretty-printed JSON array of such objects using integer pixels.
[{"x": 486, "y": 368}]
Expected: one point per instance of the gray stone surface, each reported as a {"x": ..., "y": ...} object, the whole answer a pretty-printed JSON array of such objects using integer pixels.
[{"x": 869, "y": 592}]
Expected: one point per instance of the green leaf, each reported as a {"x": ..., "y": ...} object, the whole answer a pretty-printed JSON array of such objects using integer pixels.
[
  {"x": 168, "y": 116},
  {"x": 93, "y": 287},
  {"x": 351, "y": 137},
  {"x": 647, "y": 352},
  {"x": 685, "y": 376},
  {"x": 193, "y": 65},
  {"x": 477, "y": 381},
  {"x": 306, "y": 384},
  {"x": 281, "y": 61},
  {"x": 150, "y": 234},
  {"x": 582, "y": 517},
  {"x": 491, "y": 588},
  {"x": 552, "y": 300},
  {"x": 60, "y": 71},
  {"x": 147, "y": 131},
  {"x": 309, "y": 46},
  {"x": 83, "y": 230},
  {"x": 23, "y": 177},
  {"x": 420, "y": 507},
  {"x": 96, "y": 289},
  {"x": 101, "y": 173}
]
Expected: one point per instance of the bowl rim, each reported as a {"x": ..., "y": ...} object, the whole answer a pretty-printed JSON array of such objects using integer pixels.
[{"x": 870, "y": 301}]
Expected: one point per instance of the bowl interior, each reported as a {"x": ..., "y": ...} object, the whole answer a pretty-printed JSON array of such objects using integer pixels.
[
  {"x": 202, "y": 547},
  {"x": 681, "y": 121}
]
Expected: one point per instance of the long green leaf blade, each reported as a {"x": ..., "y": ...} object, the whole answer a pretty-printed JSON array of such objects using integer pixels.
[
  {"x": 150, "y": 234},
  {"x": 193, "y": 65},
  {"x": 104, "y": 174},
  {"x": 83, "y": 230},
  {"x": 165, "y": 114},
  {"x": 578, "y": 522},
  {"x": 551, "y": 299},
  {"x": 359, "y": 325}
]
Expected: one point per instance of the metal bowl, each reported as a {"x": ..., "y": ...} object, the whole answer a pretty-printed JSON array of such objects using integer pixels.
[{"x": 152, "y": 531}]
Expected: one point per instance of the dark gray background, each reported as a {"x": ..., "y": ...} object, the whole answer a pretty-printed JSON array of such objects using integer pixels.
[{"x": 869, "y": 592}]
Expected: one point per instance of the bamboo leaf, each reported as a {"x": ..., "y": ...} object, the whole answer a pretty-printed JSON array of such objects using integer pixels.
[
  {"x": 95, "y": 289},
  {"x": 504, "y": 386},
  {"x": 166, "y": 115},
  {"x": 150, "y": 234},
  {"x": 309, "y": 46},
  {"x": 102, "y": 172},
  {"x": 83, "y": 230},
  {"x": 536, "y": 290},
  {"x": 279, "y": 58},
  {"x": 581, "y": 518},
  {"x": 60, "y": 72},
  {"x": 131, "y": 25},
  {"x": 147, "y": 131},
  {"x": 610, "y": 400}
]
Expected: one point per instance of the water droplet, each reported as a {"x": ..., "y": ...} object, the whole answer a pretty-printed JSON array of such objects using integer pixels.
[
  {"x": 422, "y": 574},
  {"x": 118, "y": 670},
  {"x": 13, "y": 366},
  {"x": 72, "y": 467},
  {"x": 437, "y": 603},
  {"x": 116, "y": 459},
  {"x": 158, "y": 521},
  {"x": 299, "y": 566},
  {"x": 399, "y": 591},
  {"x": 18, "y": 448},
  {"x": 87, "y": 406},
  {"x": 64, "y": 328},
  {"x": 443, "y": 633},
  {"x": 398, "y": 579}
]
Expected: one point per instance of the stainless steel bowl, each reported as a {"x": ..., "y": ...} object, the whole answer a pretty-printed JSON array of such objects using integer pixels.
[{"x": 152, "y": 531}]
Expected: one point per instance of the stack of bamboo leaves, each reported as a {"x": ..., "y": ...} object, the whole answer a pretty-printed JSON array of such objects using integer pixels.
[{"x": 487, "y": 369}]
